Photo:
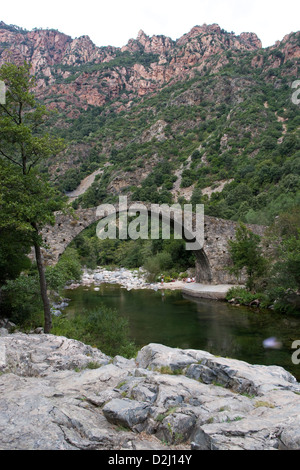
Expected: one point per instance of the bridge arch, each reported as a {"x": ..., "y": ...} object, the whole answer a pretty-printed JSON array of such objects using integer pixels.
[{"x": 212, "y": 259}]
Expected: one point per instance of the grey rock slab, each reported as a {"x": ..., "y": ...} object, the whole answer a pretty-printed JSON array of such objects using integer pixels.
[
  {"x": 289, "y": 436},
  {"x": 35, "y": 355},
  {"x": 51, "y": 399},
  {"x": 176, "y": 428},
  {"x": 241, "y": 376},
  {"x": 145, "y": 393},
  {"x": 125, "y": 412},
  {"x": 239, "y": 435},
  {"x": 157, "y": 356},
  {"x": 235, "y": 374}
]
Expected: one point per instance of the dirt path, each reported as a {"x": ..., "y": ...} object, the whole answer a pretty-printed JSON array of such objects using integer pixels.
[
  {"x": 284, "y": 127},
  {"x": 84, "y": 185}
]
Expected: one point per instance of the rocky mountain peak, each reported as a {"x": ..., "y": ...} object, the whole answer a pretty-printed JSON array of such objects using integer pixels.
[
  {"x": 141, "y": 35},
  {"x": 252, "y": 39},
  {"x": 66, "y": 66}
]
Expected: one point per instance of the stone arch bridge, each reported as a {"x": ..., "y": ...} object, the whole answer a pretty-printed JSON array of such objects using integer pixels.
[{"x": 212, "y": 260}]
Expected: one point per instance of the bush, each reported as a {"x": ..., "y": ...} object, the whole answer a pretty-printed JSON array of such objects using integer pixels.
[
  {"x": 68, "y": 268},
  {"x": 103, "y": 328},
  {"x": 157, "y": 264},
  {"x": 153, "y": 268},
  {"x": 165, "y": 260},
  {"x": 245, "y": 253},
  {"x": 244, "y": 297},
  {"x": 22, "y": 301}
]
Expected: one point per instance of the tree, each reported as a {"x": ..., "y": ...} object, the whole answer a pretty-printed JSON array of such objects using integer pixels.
[
  {"x": 196, "y": 196},
  {"x": 27, "y": 200},
  {"x": 287, "y": 268},
  {"x": 13, "y": 254},
  {"x": 246, "y": 254},
  {"x": 284, "y": 238}
]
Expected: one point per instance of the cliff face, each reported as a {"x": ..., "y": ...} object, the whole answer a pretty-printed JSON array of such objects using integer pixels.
[
  {"x": 78, "y": 71},
  {"x": 77, "y": 68},
  {"x": 129, "y": 110},
  {"x": 45, "y": 48}
]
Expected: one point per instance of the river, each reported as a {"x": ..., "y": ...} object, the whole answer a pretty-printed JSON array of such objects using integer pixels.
[{"x": 170, "y": 318}]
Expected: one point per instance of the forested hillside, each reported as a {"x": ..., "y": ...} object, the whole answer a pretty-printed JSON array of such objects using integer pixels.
[{"x": 208, "y": 118}]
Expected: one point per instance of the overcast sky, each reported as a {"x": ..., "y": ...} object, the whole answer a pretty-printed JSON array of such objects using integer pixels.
[{"x": 113, "y": 22}]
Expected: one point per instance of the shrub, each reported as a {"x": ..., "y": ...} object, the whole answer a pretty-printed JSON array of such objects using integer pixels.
[
  {"x": 103, "y": 328},
  {"x": 152, "y": 266},
  {"x": 22, "y": 301},
  {"x": 244, "y": 297},
  {"x": 245, "y": 253},
  {"x": 240, "y": 294},
  {"x": 68, "y": 268},
  {"x": 157, "y": 264}
]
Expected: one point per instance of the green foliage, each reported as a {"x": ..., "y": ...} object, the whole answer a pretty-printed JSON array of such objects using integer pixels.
[
  {"x": 288, "y": 267},
  {"x": 13, "y": 255},
  {"x": 68, "y": 268},
  {"x": 283, "y": 284},
  {"x": 27, "y": 200},
  {"x": 20, "y": 119},
  {"x": 246, "y": 254},
  {"x": 245, "y": 297},
  {"x": 103, "y": 328},
  {"x": 158, "y": 255},
  {"x": 122, "y": 59},
  {"x": 21, "y": 301},
  {"x": 278, "y": 284},
  {"x": 258, "y": 152},
  {"x": 153, "y": 267},
  {"x": 196, "y": 197},
  {"x": 231, "y": 131}
]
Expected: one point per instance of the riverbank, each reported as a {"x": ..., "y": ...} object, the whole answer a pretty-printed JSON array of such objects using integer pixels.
[
  {"x": 129, "y": 279},
  {"x": 204, "y": 291},
  {"x": 137, "y": 279}
]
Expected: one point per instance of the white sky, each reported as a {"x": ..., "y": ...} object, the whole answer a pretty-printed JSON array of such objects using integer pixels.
[{"x": 114, "y": 22}]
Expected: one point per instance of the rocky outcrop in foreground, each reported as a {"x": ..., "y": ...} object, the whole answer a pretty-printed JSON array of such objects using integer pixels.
[{"x": 57, "y": 393}]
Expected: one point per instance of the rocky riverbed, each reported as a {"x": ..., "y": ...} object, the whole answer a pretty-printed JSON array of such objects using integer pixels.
[
  {"x": 129, "y": 279},
  {"x": 58, "y": 393}
]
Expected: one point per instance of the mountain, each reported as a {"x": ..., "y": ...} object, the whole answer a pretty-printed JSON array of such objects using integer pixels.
[
  {"x": 207, "y": 118},
  {"x": 97, "y": 75}
]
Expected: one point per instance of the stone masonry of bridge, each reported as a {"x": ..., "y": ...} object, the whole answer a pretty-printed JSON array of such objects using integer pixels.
[{"x": 211, "y": 262}]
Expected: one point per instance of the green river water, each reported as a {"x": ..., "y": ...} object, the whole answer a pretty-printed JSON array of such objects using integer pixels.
[{"x": 170, "y": 318}]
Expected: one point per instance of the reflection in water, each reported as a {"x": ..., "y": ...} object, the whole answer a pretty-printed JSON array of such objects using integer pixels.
[
  {"x": 222, "y": 326},
  {"x": 169, "y": 318}
]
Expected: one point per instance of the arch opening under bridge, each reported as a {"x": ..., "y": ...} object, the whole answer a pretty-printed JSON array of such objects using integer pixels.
[{"x": 212, "y": 259}]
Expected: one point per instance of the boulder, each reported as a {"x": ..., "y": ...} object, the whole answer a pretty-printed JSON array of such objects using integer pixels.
[{"x": 127, "y": 413}]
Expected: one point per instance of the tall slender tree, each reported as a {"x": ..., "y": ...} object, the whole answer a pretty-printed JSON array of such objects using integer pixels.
[{"x": 28, "y": 201}]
